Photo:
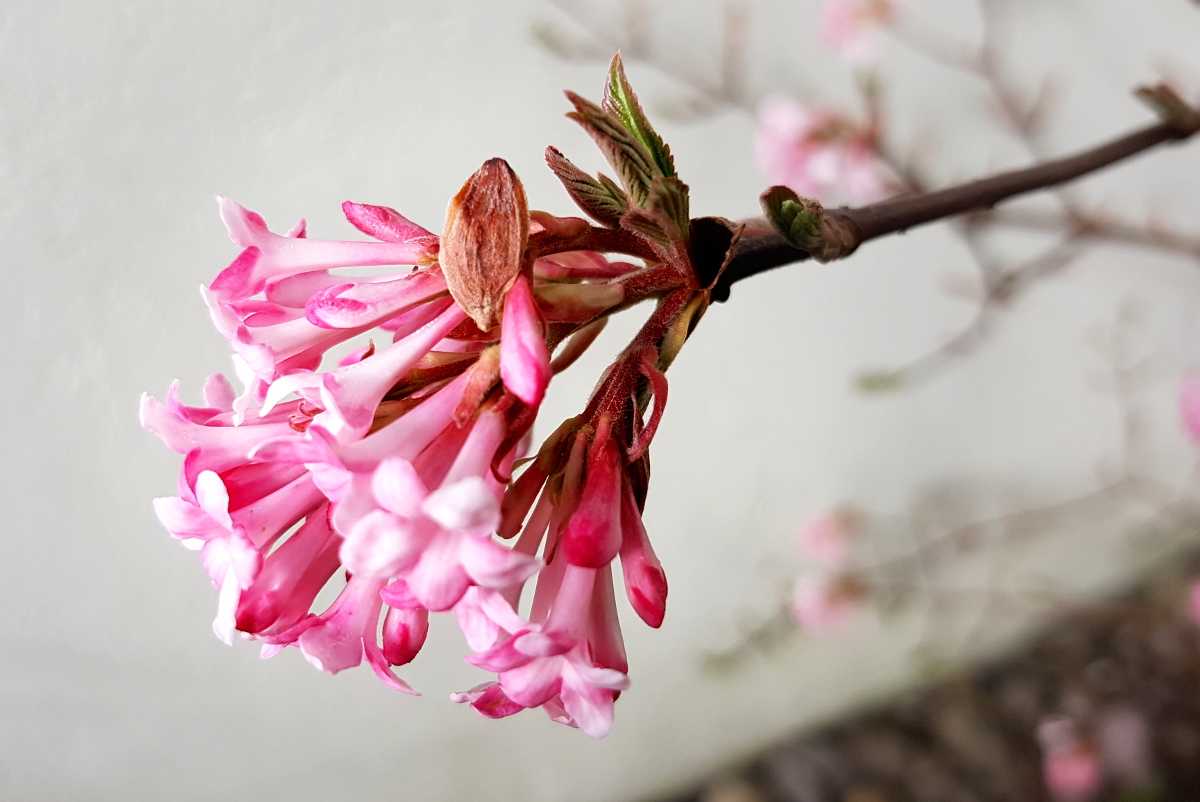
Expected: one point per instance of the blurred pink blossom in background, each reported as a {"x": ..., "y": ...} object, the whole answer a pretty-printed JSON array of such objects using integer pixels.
[
  {"x": 1070, "y": 767},
  {"x": 818, "y": 153},
  {"x": 822, "y": 606},
  {"x": 824, "y": 539},
  {"x": 1189, "y": 406},
  {"x": 852, "y": 27},
  {"x": 1193, "y": 602}
]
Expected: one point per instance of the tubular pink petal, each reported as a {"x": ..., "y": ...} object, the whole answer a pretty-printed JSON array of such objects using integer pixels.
[
  {"x": 592, "y": 536},
  {"x": 248, "y": 483},
  {"x": 398, "y": 594},
  {"x": 397, "y": 487},
  {"x": 218, "y": 392},
  {"x": 438, "y": 580},
  {"x": 245, "y": 561},
  {"x": 524, "y": 358},
  {"x": 336, "y": 642},
  {"x": 408, "y": 436},
  {"x": 291, "y": 577},
  {"x": 467, "y": 504},
  {"x": 645, "y": 581},
  {"x": 488, "y": 700},
  {"x": 478, "y": 452},
  {"x": 213, "y": 498},
  {"x": 224, "y": 623},
  {"x": 477, "y": 627},
  {"x": 579, "y": 265},
  {"x": 386, "y": 224},
  {"x": 237, "y": 280},
  {"x": 572, "y": 602},
  {"x": 498, "y": 609},
  {"x": 519, "y": 498},
  {"x": 500, "y": 658},
  {"x": 354, "y": 304},
  {"x": 381, "y": 545},
  {"x": 535, "y": 682},
  {"x": 535, "y": 643},
  {"x": 304, "y": 383},
  {"x": 286, "y": 256},
  {"x": 183, "y": 519},
  {"x": 590, "y": 708},
  {"x": 604, "y": 628},
  {"x": 494, "y": 566},
  {"x": 351, "y": 394},
  {"x": 404, "y": 633},
  {"x": 224, "y": 447},
  {"x": 269, "y": 517},
  {"x": 379, "y": 664},
  {"x": 293, "y": 292}
]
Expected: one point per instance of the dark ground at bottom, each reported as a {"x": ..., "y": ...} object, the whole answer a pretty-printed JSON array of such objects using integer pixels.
[{"x": 974, "y": 738}]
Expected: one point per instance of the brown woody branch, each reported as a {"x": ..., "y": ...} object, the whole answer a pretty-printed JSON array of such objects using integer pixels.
[{"x": 763, "y": 250}]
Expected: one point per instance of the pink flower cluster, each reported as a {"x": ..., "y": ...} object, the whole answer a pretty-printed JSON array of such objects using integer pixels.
[
  {"x": 852, "y": 27},
  {"x": 818, "y": 154},
  {"x": 392, "y": 466}
]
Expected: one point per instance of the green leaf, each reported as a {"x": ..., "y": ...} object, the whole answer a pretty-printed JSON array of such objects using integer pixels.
[
  {"x": 627, "y": 155},
  {"x": 663, "y": 218},
  {"x": 621, "y": 102},
  {"x": 797, "y": 219},
  {"x": 668, "y": 198},
  {"x": 653, "y": 227},
  {"x": 602, "y": 200}
]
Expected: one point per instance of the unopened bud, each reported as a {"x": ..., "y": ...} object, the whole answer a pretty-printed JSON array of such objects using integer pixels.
[{"x": 483, "y": 245}]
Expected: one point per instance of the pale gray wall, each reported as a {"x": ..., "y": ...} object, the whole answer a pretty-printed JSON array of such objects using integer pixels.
[{"x": 119, "y": 122}]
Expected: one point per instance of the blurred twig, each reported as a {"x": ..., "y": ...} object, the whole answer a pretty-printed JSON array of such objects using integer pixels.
[{"x": 1025, "y": 117}]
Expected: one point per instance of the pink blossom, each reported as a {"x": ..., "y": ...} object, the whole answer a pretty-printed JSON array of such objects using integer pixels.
[
  {"x": 817, "y": 153},
  {"x": 822, "y": 606},
  {"x": 524, "y": 358},
  {"x": 1193, "y": 602},
  {"x": 391, "y": 466},
  {"x": 561, "y": 663},
  {"x": 569, "y": 657},
  {"x": 824, "y": 539},
  {"x": 1070, "y": 767},
  {"x": 645, "y": 581},
  {"x": 1189, "y": 406},
  {"x": 852, "y": 27},
  {"x": 270, "y": 257}
]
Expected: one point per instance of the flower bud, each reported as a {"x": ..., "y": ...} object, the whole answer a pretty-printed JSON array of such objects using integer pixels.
[{"x": 483, "y": 245}]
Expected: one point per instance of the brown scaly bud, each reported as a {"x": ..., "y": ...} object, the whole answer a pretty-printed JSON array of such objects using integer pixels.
[{"x": 483, "y": 245}]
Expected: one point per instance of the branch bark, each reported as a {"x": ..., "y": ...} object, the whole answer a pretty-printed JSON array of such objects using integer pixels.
[{"x": 762, "y": 249}]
